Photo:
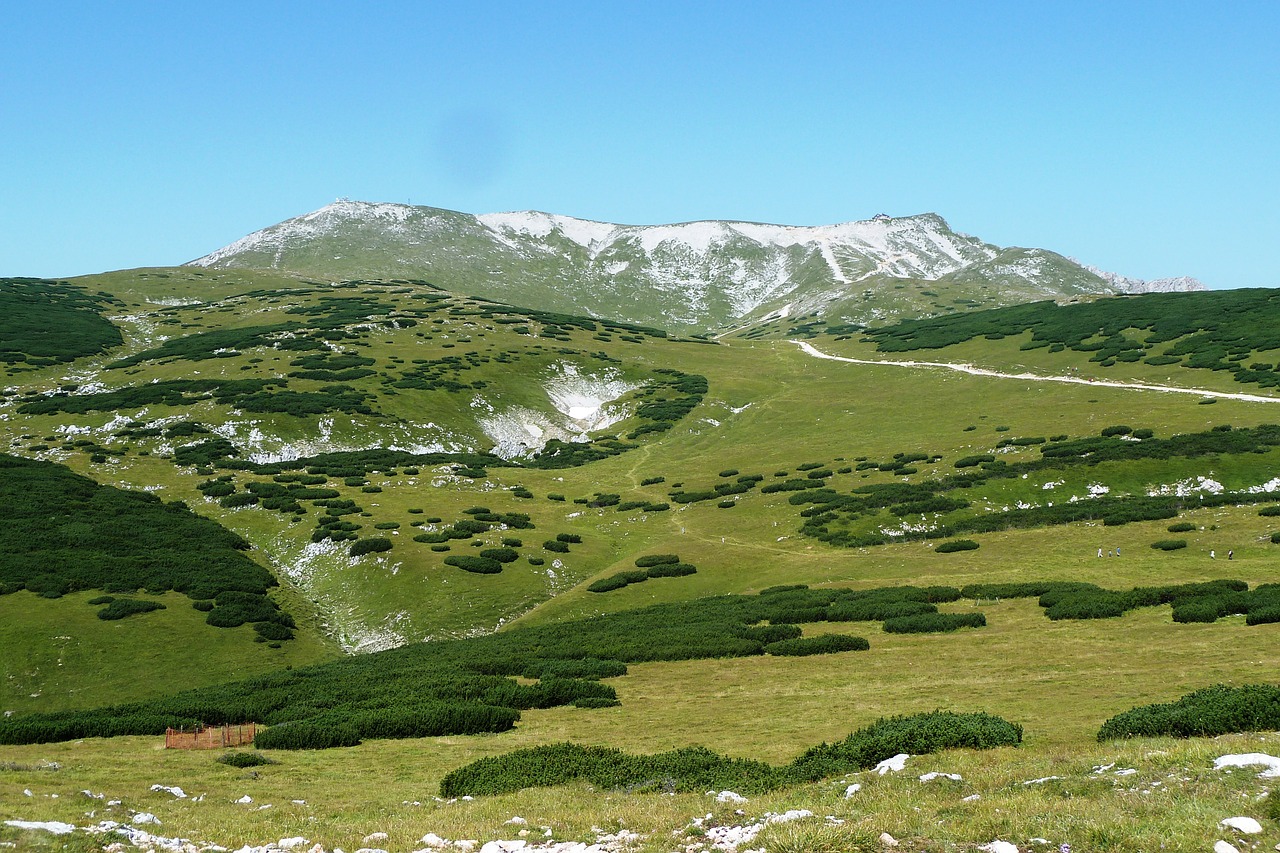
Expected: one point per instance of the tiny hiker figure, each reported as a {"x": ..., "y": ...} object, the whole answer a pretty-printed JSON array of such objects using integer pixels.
[{"x": 1230, "y": 554}]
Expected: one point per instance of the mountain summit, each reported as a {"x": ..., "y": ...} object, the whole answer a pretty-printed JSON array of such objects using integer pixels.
[{"x": 691, "y": 277}]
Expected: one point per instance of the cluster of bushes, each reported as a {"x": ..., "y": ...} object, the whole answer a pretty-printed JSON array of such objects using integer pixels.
[
  {"x": 560, "y": 545},
  {"x": 956, "y": 545},
  {"x": 210, "y": 344},
  {"x": 699, "y": 769},
  {"x": 648, "y": 566},
  {"x": 65, "y": 533},
  {"x": 369, "y": 545},
  {"x": 1211, "y": 330},
  {"x": 45, "y": 322},
  {"x": 1209, "y": 712},
  {"x": 478, "y": 669}
]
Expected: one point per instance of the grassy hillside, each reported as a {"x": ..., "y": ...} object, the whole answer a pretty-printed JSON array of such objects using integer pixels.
[{"x": 749, "y": 460}]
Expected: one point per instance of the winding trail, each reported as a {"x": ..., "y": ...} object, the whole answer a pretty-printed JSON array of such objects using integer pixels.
[{"x": 810, "y": 349}]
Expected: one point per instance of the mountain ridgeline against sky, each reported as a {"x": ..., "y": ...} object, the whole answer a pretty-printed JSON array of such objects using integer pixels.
[{"x": 690, "y": 277}]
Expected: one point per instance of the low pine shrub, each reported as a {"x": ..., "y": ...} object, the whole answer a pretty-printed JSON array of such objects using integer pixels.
[
  {"x": 556, "y": 546},
  {"x": 372, "y": 544},
  {"x": 475, "y": 565},
  {"x": 119, "y": 608},
  {"x": 820, "y": 645},
  {"x": 244, "y": 759},
  {"x": 595, "y": 702},
  {"x": 1273, "y": 510},
  {"x": 671, "y": 570},
  {"x": 1169, "y": 544},
  {"x": 1181, "y": 527},
  {"x": 618, "y": 581},
  {"x": 927, "y": 623},
  {"x": 588, "y": 668},
  {"x": 1213, "y": 711},
  {"x": 502, "y": 555},
  {"x": 101, "y": 599},
  {"x": 767, "y": 634},
  {"x": 1275, "y": 538},
  {"x": 919, "y": 734},
  {"x": 956, "y": 545},
  {"x": 656, "y": 560}
]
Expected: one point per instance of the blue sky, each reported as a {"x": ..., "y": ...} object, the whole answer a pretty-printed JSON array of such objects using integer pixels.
[{"x": 1139, "y": 137}]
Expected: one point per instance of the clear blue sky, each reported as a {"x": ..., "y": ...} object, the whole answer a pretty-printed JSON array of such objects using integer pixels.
[{"x": 1140, "y": 137}]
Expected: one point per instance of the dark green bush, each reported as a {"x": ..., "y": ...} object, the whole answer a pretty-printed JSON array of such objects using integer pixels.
[
  {"x": 1169, "y": 544},
  {"x": 556, "y": 546},
  {"x": 671, "y": 570},
  {"x": 1181, "y": 527},
  {"x": 272, "y": 631},
  {"x": 920, "y": 734},
  {"x": 119, "y": 608},
  {"x": 924, "y": 623},
  {"x": 244, "y": 759},
  {"x": 956, "y": 545},
  {"x": 1209, "y": 712},
  {"x": 476, "y": 565},
  {"x": 1270, "y": 510},
  {"x": 502, "y": 555},
  {"x": 656, "y": 560},
  {"x": 101, "y": 599},
  {"x": 618, "y": 581},
  {"x": 371, "y": 545},
  {"x": 819, "y": 645}
]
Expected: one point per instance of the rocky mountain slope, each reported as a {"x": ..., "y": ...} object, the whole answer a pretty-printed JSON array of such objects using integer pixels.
[{"x": 691, "y": 277}]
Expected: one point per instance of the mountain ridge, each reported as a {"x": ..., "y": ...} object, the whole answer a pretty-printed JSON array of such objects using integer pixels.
[{"x": 699, "y": 276}]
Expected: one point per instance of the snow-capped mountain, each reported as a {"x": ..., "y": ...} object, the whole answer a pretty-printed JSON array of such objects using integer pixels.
[{"x": 691, "y": 277}]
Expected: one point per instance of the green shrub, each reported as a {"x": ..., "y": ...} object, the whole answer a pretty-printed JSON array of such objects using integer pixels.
[
  {"x": 476, "y": 565},
  {"x": 920, "y": 734},
  {"x": 556, "y": 546},
  {"x": 656, "y": 560},
  {"x": 371, "y": 545},
  {"x": 588, "y": 668},
  {"x": 1209, "y": 712},
  {"x": 272, "y": 631},
  {"x": 618, "y": 581},
  {"x": 1273, "y": 510},
  {"x": 820, "y": 645},
  {"x": 119, "y": 608},
  {"x": 1169, "y": 544},
  {"x": 502, "y": 555},
  {"x": 671, "y": 570},
  {"x": 203, "y": 605},
  {"x": 924, "y": 623},
  {"x": 571, "y": 538},
  {"x": 1181, "y": 527},
  {"x": 956, "y": 545},
  {"x": 101, "y": 599},
  {"x": 244, "y": 759},
  {"x": 1275, "y": 538}
]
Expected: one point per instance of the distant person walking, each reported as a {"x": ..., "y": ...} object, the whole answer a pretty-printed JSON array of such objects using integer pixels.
[
  {"x": 1099, "y": 552},
  {"x": 1231, "y": 555},
  {"x": 1212, "y": 555}
]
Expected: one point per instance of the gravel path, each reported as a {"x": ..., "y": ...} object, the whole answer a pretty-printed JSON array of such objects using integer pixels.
[{"x": 1070, "y": 380}]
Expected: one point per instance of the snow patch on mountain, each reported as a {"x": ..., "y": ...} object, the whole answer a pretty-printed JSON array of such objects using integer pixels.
[{"x": 581, "y": 403}]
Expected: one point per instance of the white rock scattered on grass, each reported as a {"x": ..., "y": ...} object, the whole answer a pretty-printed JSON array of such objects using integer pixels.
[
  {"x": 434, "y": 841},
  {"x": 57, "y": 827},
  {"x": 895, "y": 764},
  {"x": 467, "y": 844},
  {"x": 972, "y": 798},
  {"x": 175, "y": 790},
  {"x": 1247, "y": 825},
  {"x": 1041, "y": 780},
  {"x": 852, "y": 789},
  {"x": 503, "y": 846},
  {"x": 1128, "y": 771},
  {"x": 26, "y": 792},
  {"x": 290, "y": 843},
  {"x": 929, "y": 777},
  {"x": 1250, "y": 759},
  {"x": 375, "y": 836},
  {"x": 888, "y": 840},
  {"x": 1224, "y": 847},
  {"x": 999, "y": 846},
  {"x": 146, "y": 817},
  {"x": 518, "y": 821},
  {"x": 245, "y": 799},
  {"x": 730, "y": 797}
]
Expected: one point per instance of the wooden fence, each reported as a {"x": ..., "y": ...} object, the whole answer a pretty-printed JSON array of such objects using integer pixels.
[{"x": 210, "y": 737}]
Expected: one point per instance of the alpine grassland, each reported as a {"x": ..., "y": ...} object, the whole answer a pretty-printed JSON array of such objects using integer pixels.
[{"x": 500, "y": 533}]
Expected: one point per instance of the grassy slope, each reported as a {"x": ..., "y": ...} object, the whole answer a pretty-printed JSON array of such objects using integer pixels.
[{"x": 1058, "y": 679}]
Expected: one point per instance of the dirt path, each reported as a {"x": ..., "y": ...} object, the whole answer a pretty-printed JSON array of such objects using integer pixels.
[{"x": 810, "y": 349}]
